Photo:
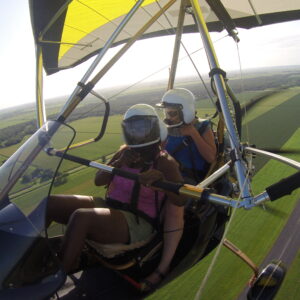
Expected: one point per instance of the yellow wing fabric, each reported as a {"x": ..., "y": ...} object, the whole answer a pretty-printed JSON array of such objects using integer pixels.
[
  {"x": 70, "y": 32},
  {"x": 90, "y": 23}
]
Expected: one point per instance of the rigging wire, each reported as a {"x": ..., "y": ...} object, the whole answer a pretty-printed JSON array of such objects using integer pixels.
[
  {"x": 257, "y": 16},
  {"x": 101, "y": 15},
  {"x": 199, "y": 292},
  {"x": 193, "y": 63},
  {"x": 278, "y": 259},
  {"x": 228, "y": 226},
  {"x": 247, "y": 136},
  {"x": 216, "y": 255},
  {"x": 188, "y": 55},
  {"x": 172, "y": 30}
]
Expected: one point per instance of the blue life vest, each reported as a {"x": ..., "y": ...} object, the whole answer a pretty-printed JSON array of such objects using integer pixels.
[{"x": 184, "y": 150}]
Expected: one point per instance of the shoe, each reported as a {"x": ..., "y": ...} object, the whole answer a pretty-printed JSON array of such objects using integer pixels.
[{"x": 148, "y": 286}]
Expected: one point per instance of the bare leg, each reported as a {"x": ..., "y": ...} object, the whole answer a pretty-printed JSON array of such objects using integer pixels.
[
  {"x": 61, "y": 207},
  {"x": 173, "y": 228},
  {"x": 99, "y": 224}
]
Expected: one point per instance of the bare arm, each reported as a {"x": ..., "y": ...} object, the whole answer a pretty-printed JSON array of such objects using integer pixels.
[
  {"x": 205, "y": 144},
  {"x": 125, "y": 156},
  {"x": 104, "y": 178},
  {"x": 167, "y": 169}
]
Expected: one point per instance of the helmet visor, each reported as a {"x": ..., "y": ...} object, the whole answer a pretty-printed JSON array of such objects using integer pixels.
[
  {"x": 173, "y": 116},
  {"x": 140, "y": 131}
]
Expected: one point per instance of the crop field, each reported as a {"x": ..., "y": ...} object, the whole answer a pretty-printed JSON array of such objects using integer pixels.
[
  {"x": 270, "y": 102},
  {"x": 27, "y": 112},
  {"x": 248, "y": 230},
  {"x": 13, "y": 116},
  {"x": 2, "y": 158},
  {"x": 290, "y": 289},
  {"x": 274, "y": 127},
  {"x": 274, "y": 123}
]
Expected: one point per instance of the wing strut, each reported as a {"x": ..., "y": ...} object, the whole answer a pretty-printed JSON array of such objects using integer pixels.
[
  {"x": 222, "y": 14},
  {"x": 217, "y": 75},
  {"x": 79, "y": 93},
  {"x": 40, "y": 104},
  {"x": 177, "y": 44},
  {"x": 83, "y": 89}
]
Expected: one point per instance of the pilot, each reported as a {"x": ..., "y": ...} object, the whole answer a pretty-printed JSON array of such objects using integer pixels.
[{"x": 133, "y": 210}]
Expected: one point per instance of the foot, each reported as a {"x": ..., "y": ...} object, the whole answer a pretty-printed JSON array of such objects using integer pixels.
[{"x": 151, "y": 282}]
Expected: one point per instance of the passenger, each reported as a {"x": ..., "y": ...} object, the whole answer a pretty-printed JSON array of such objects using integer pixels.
[
  {"x": 133, "y": 209},
  {"x": 190, "y": 140}
]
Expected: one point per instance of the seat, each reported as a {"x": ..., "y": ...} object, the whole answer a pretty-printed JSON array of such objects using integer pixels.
[{"x": 122, "y": 256}]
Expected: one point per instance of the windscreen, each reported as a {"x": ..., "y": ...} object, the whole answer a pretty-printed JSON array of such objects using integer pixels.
[{"x": 26, "y": 177}]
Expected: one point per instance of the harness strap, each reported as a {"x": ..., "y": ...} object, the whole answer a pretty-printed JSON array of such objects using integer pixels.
[
  {"x": 134, "y": 198},
  {"x": 193, "y": 173},
  {"x": 187, "y": 140},
  {"x": 127, "y": 207}
]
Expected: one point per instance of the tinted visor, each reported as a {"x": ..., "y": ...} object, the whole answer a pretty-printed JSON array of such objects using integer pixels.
[
  {"x": 140, "y": 131},
  {"x": 173, "y": 115}
]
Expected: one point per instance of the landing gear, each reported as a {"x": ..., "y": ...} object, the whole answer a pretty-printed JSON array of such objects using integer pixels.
[{"x": 268, "y": 282}]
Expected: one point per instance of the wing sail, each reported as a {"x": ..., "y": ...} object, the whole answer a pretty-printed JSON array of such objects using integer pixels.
[{"x": 70, "y": 32}]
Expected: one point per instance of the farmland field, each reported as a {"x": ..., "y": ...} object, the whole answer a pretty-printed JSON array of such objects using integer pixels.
[
  {"x": 270, "y": 102},
  {"x": 272, "y": 123},
  {"x": 248, "y": 229},
  {"x": 274, "y": 127},
  {"x": 290, "y": 289}
]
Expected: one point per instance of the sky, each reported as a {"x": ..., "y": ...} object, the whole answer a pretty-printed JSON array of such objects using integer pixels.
[{"x": 272, "y": 45}]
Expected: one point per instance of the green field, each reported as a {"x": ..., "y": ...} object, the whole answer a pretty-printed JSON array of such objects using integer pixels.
[
  {"x": 2, "y": 158},
  {"x": 251, "y": 226},
  {"x": 254, "y": 232},
  {"x": 272, "y": 123},
  {"x": 270, "y": 102},
  {"x": 290, "y": 289}
]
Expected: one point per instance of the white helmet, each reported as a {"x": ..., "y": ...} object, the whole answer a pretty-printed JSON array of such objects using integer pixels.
[
  {"x": 142, "y": 126},
  {"x": 184, "y": 100}
]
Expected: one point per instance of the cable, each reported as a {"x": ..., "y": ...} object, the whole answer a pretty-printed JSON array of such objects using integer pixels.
[{"x": 214, "y": 259}]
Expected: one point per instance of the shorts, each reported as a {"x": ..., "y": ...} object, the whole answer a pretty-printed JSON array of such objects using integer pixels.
[{"x": 139, "y": 228}]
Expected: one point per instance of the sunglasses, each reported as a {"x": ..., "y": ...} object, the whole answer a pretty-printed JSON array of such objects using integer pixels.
[{"x": 172, "y": 113}]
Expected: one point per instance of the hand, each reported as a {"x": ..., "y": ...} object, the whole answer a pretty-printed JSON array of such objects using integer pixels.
[
  {"x": 188, "y": 130},
  {"x": 148, "y": 177},
  {"x": 128, "y": 157}
]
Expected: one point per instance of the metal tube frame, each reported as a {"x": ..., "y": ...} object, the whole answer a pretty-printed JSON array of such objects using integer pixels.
[
  {"x": 131, "y": 41},
  {"x": 179, "y": 31},
  {"x": 214, "y": 176},
  {"x": 194, "y": 191},
  {"x": 288, "y": 161},
  {"x": 40, "y": 103},
  {"x": 73, "y": 100},
  {"x": 247, "y": 200},
  {"x": 241, "y": 172}
]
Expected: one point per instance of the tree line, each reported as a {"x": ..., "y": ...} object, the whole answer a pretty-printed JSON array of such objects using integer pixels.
[{"x": 14, "y": 134}]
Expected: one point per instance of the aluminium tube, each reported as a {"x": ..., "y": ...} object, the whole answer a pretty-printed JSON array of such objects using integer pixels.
[
  {"x": 40, "y": 103},
  {"x": 244, "y": 183},
  {"x": 214, "y": 176},
  {"x": 292, "y": 163},
  {"x": 73, "y": 101}
]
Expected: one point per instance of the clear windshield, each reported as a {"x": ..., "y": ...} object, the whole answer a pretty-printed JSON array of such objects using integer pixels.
[{"x": 26, "y": 177}]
